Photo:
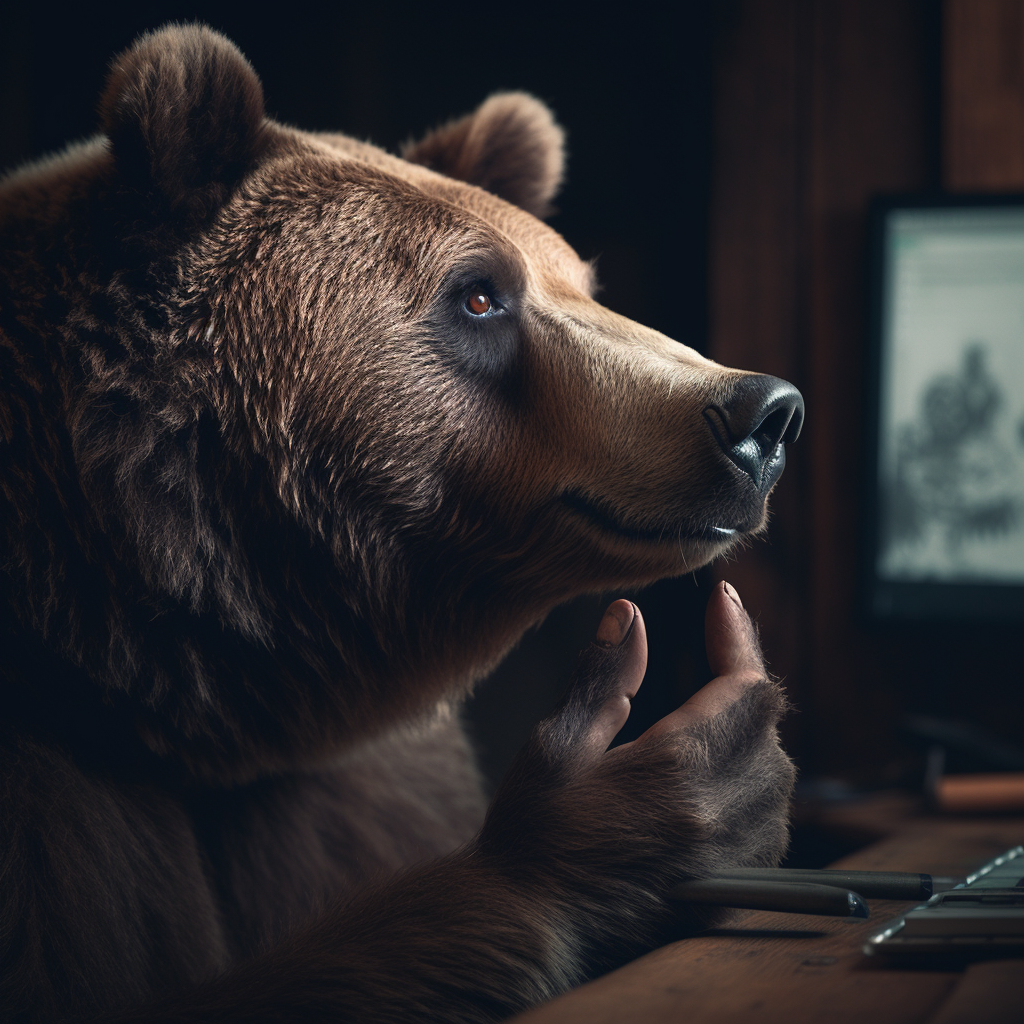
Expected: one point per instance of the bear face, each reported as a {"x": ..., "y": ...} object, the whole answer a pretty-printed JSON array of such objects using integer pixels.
[
  {"x": 296, "y": 439},
  {"x": 335, "y": 427}
]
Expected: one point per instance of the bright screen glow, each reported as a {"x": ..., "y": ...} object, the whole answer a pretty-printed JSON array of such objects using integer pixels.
[{"x": 951, "y": 443}]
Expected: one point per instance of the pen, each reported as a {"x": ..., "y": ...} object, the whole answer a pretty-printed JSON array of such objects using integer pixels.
[
  {"x": 761, "y": 894},
  {"x": 882, "y": 885}
]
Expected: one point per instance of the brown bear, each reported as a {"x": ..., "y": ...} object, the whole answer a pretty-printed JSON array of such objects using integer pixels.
[{"x": 297, "y": 438}]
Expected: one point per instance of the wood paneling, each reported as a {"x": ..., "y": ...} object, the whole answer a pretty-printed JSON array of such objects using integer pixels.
[
  {"x": 983, "y": 109},
  {"x": 820, "y": 106},
  {"x": 756, "y": 317},
  {"x": 872, "y": 109}
]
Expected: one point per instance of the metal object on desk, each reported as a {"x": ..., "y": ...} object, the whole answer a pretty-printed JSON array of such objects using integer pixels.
[{"x": 982, "y": 919}]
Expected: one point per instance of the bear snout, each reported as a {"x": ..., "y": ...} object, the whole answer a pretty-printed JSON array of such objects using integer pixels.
[{"x": 754, "y": 423}]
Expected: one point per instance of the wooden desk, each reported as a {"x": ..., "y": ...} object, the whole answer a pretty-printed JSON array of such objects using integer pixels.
[{"x": 799, "y": 969}]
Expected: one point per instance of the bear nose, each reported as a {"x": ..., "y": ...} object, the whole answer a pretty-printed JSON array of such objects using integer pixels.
[{"x": 754, "y": 423}]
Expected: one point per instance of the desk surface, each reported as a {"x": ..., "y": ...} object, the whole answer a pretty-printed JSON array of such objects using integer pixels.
[{"x": 792, "y": 969}]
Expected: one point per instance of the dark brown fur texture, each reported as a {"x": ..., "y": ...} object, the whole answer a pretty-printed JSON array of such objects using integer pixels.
[{"x": 271, "y": 503}]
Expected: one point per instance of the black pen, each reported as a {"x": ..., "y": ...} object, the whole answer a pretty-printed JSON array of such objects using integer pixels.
[
  {"x": 881, "y": 885},
  {"x": 765, "y": 894}
]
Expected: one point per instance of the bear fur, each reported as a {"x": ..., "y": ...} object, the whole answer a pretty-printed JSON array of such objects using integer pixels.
[{"x": 273, "y": 499}]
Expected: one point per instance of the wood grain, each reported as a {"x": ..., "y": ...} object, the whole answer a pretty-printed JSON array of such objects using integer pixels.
[
  {"x": 983, "y": 116},
  {"x": 756, "y": 258},
  {"x": 819, "y": 107},
  {"x": 993, "y": 993}
]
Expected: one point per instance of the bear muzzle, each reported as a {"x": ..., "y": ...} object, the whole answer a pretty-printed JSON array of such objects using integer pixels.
[{"x": 728, "y": 473}]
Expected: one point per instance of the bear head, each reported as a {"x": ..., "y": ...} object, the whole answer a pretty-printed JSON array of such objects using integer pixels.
[{"x": 299, "y": 436}]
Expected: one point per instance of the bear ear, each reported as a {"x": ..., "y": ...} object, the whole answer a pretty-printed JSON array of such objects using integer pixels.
[
  {"x": 510, "y": 146},
  {"x": 184, "y": 113}
]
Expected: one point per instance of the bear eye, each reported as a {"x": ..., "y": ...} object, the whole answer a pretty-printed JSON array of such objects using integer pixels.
[{"x": 479, "y": 303}]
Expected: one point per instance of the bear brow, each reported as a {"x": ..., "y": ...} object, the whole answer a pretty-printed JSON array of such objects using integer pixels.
[{"x": 477, "y": 254}]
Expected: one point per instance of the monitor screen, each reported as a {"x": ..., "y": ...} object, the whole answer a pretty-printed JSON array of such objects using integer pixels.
[{"x": 946, "y": 482}]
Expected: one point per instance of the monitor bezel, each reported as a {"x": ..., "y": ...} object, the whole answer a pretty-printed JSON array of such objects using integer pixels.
[{"x": 886, "y": 600}]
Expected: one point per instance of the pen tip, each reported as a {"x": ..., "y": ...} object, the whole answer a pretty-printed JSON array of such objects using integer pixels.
[{"x": 858, "y": 908}]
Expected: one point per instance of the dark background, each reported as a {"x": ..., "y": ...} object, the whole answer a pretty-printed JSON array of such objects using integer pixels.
[{"x": 722, "y": 158}]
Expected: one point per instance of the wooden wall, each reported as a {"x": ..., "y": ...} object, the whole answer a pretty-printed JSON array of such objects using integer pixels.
[
  {"x": 983, "y": 111},
  {"x": 820, "y": 106}
]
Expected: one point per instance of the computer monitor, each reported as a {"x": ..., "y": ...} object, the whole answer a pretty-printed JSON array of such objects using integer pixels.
[{"x": 945, "y": 510}]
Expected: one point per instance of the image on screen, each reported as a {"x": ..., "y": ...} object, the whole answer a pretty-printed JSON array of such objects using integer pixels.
[{"x": 951, "y": 399}]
